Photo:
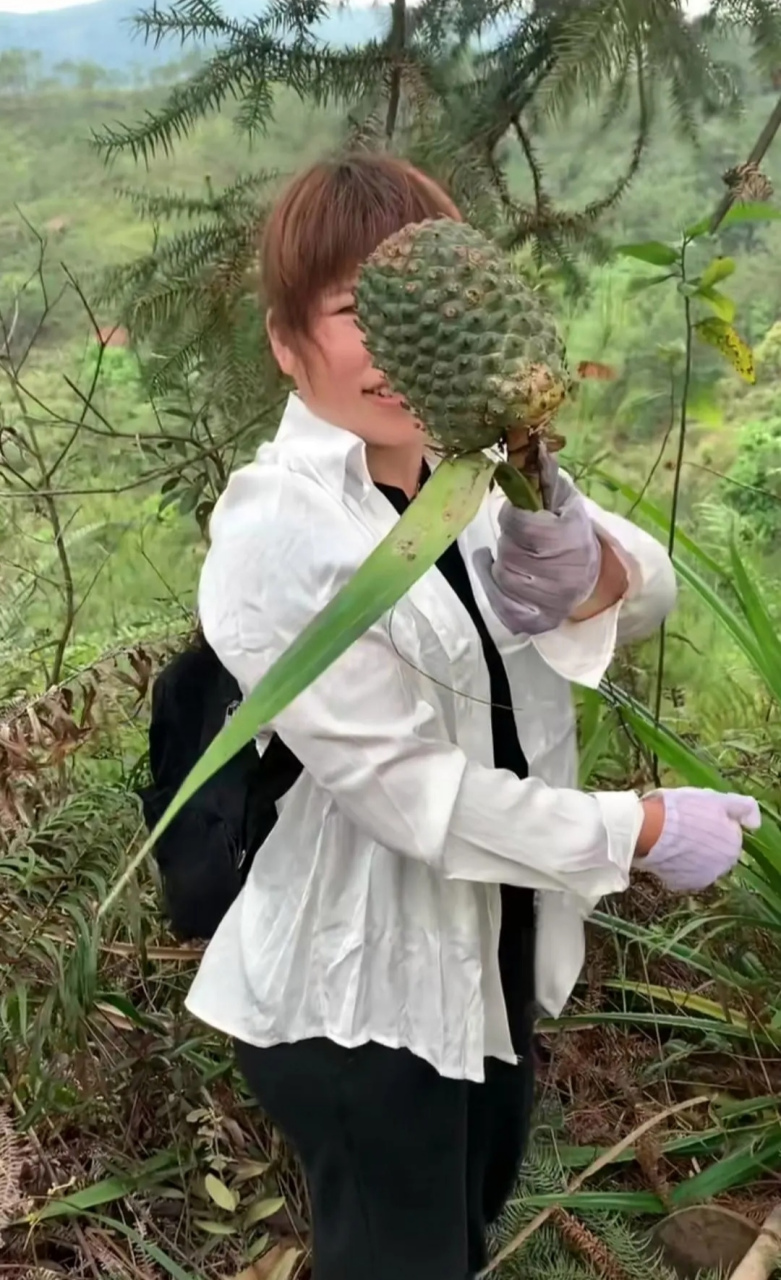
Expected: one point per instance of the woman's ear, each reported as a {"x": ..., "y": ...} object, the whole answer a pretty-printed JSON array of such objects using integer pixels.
[{"x": 282, "y": 352}]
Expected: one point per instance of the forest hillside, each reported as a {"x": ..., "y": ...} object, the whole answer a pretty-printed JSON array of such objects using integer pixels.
[{"x": 127, "y": 1147}]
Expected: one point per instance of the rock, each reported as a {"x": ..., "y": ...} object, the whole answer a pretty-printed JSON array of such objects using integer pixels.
[{"x": 704, "y": 1237}]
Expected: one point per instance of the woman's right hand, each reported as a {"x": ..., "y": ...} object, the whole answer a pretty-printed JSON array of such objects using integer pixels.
[{"x": 691, "y": 836}]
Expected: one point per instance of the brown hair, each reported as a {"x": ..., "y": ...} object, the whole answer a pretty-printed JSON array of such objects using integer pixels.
[{"x": 329, "y": 219}]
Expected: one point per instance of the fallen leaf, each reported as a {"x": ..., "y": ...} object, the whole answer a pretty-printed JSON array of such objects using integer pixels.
[
  {"x": 215, "y": 1228},
  {"x": 220, "y": 1194},
  {"x": 250, "y": 1169},
  {"x": 277, "y": 1264},
  {"x": 284, "y": 1268},
  {"x": 118, "y": 1020},
  {"x": 263, "y": 1209}
]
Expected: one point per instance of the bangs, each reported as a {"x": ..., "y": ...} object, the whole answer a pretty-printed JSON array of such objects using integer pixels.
[{"x": 328, "y": 222}]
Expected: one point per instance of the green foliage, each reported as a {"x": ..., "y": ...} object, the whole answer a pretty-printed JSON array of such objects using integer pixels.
[
  {"x": 49, "y": 962},
  {"x": 754, "y": 490}
]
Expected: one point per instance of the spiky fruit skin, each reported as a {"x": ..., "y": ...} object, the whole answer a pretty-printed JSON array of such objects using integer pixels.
[{"x": 460, "y": 335}]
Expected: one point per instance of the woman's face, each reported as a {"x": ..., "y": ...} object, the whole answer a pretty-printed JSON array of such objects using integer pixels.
[{"x": 334, "y": 376}]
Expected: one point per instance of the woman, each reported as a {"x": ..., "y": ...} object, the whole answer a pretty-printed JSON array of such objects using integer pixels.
[{"x": 426, "y": 883}]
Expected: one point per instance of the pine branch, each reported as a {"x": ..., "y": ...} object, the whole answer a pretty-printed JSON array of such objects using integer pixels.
[
  {"x": 247, "y": 69},
  {"x": 238, "y": 199}
]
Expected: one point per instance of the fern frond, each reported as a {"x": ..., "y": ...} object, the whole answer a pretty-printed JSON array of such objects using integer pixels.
[{"x": 607, "y": 1246}]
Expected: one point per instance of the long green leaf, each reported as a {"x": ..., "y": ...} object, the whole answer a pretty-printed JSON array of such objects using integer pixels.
[
  {"x": 659, "y": 943},
  {"x": 683, "y": 1000},
  {"x": 683, "y": 1022},
  {"x": 742, "y": 634},
  {"x": 737, "y": 1169},
  {"x": 158, "y": 1169},
  {"x": 644, "y": 1202},
  {"x": 750, "y": 213},
  {"x": 595, "y": 730},
  {"x": 763, "y": 846},
  {"x": 761, "y": 625},
  {"x": 652, "y": 251},
  {"x": 443, "y": 508},
  {"x": 659, "y": 518},
  {"x": 152, "y": 1250},
  {"x": 676, "y": 753},
  {"x": 700, "y": 1143}
]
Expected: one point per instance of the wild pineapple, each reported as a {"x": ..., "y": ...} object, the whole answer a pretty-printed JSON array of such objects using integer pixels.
[{"x": 466, "y": 342}]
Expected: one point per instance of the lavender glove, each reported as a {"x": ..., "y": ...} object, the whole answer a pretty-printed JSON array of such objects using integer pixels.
[
  {"x": 547, "y": 562},
  {"x": 701, "y": 838}
]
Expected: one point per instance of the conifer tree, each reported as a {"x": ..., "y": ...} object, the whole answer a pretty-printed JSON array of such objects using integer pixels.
[{"x": 447, "y": 83}]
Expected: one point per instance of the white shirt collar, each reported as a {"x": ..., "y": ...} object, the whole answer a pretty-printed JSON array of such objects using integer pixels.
[{"x": 338, "y": 455}]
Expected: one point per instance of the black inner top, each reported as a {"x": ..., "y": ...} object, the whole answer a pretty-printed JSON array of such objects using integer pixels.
[{"x": 516, "y": 939}]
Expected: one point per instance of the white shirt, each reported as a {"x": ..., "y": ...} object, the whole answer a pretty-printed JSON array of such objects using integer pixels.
[{"x": 372, "y": 910}]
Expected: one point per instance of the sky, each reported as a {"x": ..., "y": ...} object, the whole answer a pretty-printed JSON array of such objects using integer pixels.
[{"x": 37, "y": 6}]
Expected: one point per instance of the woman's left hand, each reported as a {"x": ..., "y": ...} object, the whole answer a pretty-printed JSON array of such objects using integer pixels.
[{"x": 547, "y": 562}]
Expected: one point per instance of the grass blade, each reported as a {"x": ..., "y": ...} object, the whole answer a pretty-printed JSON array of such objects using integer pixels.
[
  {"x": 152, "y": 1250},
  {"x": 755, "y": 1160},
  {"x": 658, "y": 517},
  {"x": 682, "y": 1000},
  {"x": 760, "y": 624},
  {"x": 158, "y": 1169},
  {"x": 679, "y": 1021},
  {"x": 642, "y": 1202}
]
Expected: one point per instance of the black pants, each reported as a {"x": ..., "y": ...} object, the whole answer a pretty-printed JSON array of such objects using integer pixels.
[{"x": 405, "y": 1168}]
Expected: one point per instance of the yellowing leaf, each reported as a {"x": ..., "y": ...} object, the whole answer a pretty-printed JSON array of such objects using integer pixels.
[
  {"x": 263, "y": 1209},
  {"x": 683, "y": 1000},
  {"x": 220, "y": 1194},
  {"x": 721, "y": 304},
  {"x": 717, "y": 333},
  {"x": 715, "y": 271}
]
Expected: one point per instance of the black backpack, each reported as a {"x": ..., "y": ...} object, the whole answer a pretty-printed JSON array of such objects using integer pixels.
[{"x": 204, "y": 855}]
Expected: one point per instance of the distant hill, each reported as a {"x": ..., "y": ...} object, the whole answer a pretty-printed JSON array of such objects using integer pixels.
[{"x": 103, "y": 33}]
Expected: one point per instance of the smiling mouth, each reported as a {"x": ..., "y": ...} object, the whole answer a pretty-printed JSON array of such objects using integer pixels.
[{"x": 385, "y": 395}]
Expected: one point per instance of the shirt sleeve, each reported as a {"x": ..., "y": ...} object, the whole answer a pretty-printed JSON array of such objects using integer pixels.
[
  {"x": 366, "y": 734},
  {"x": 581, "y": 652}
]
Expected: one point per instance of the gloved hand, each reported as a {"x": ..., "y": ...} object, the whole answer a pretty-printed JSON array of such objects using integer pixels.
[
  {"x": 701, "y": 838},
  {"x": 547, "y": 562}
]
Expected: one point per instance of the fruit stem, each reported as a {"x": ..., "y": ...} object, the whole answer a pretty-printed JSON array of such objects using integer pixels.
[{"x": 517, "y": 488}]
